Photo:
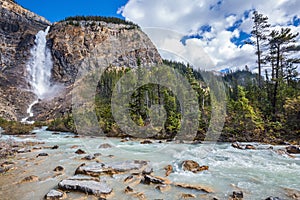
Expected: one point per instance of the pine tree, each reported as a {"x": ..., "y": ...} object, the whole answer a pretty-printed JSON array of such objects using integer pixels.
[
  {"x": 282, "y": 44},
  {"x": 259, "y": 32}
]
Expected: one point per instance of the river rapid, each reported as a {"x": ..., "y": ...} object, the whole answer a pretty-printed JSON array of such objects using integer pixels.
[{"x": 258, "y": 173}]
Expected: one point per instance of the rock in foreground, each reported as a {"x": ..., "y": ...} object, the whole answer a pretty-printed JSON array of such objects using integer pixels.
[
  {"x": 96, "y": 169},
  {"x": 194, "y": 187},
  {"x": 87, "y": 186},
  {"x": 193, "y": 166},
  {"x": 55, "y": 195},
  {"x": 155, "y": 180}
]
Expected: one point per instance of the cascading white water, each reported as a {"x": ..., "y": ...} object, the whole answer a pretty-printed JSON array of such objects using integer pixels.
[
  {"x": 30, "y": 113},
  {"x": 40, "y": 65},
  {"x": 39, "y": 70}
]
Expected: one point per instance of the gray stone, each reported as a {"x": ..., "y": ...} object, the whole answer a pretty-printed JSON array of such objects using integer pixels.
[
  {"x": 89, "y": 157},
  {"x": 151, "y": 179},
  {"x": 81, "y": 177},
  {"x": 96, "y": 169},
  {"x": 54, "y": 195},
  {"x": 86, "y": 186},
  {"x": 148, "y": 170}
]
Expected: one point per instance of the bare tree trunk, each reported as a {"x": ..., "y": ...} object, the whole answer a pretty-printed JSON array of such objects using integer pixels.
[
  {"x": 274, "y": 103},
  {"x": 258, "y": 60}
]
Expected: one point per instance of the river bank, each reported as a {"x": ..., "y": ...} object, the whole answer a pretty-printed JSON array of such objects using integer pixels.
[{"x": 57, "y": 157}]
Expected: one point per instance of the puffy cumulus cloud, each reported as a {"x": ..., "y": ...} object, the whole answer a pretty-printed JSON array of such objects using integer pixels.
[
  {"x": 171, "y": 46},
  {"x": 214, "y": 28}
]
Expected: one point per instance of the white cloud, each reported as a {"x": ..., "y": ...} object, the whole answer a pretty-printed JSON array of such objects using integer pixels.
[{"x": 188, "y": 16}]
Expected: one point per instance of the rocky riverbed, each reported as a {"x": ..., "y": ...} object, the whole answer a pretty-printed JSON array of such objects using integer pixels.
[{"x": 48, "y": 165}]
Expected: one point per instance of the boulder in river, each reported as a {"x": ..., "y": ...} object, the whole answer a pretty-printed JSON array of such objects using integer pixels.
[
  {"x": 146, "y": 142},
  {"x": 91, "y": 186},
  {"x": 237, "y": 195},
  {"x": 293, "y": 149},
  {"x": 30, "y": 179},
  {"x": 105, "y": 146},
  {"x": 58, "y": 169},
  {"x": 89, "y": 157},
  {"x": 243, "y": 147},
  {"x": 55, "y": 195},
  {"x": 96, "y": 169},
  {"x": 148, "y": 170},
  {"x": 193, "y": 166},
  {"x": 194, "y": 187},
  {"x": 155, "y": 180},
  {"x": 236, "y": 145},
  {"x": 55, "y": 147},
  {"x": 163, "y": 188},
  {"x": 169, "y": 170},
  {"x": 80, "y": 151},
  {"x": 128, "y": 189},
  {"x": 283, "y": 152},
  {"x": 42, "y": 154}
]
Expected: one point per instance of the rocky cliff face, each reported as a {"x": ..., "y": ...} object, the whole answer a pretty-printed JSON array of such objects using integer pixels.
[
  {"x": 116, "y": 45},
  {"x": 18, "y": 28},
  {"x": 71, "y": 44},
  {"x": 120, "y": 44}
]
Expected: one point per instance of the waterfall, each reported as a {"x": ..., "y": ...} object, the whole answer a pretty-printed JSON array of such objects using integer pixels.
[
  {"x": 40, "y": 65},
  {"x": 39, "y": 70},
  {"x": 30, "y": 113}
]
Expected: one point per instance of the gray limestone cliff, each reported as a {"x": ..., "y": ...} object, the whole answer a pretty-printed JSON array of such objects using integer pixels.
[
  {"x": 18, "y": 28},
  {"x": 71, "y": 43}
]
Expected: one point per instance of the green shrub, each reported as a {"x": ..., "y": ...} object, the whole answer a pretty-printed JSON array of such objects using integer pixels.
[
  {"x": 15, "y": 128},
  {"x": 64, "y": 124}
]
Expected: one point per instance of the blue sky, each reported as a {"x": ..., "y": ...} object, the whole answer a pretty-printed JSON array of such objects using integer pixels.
[{"x": 55, "y": 10}]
